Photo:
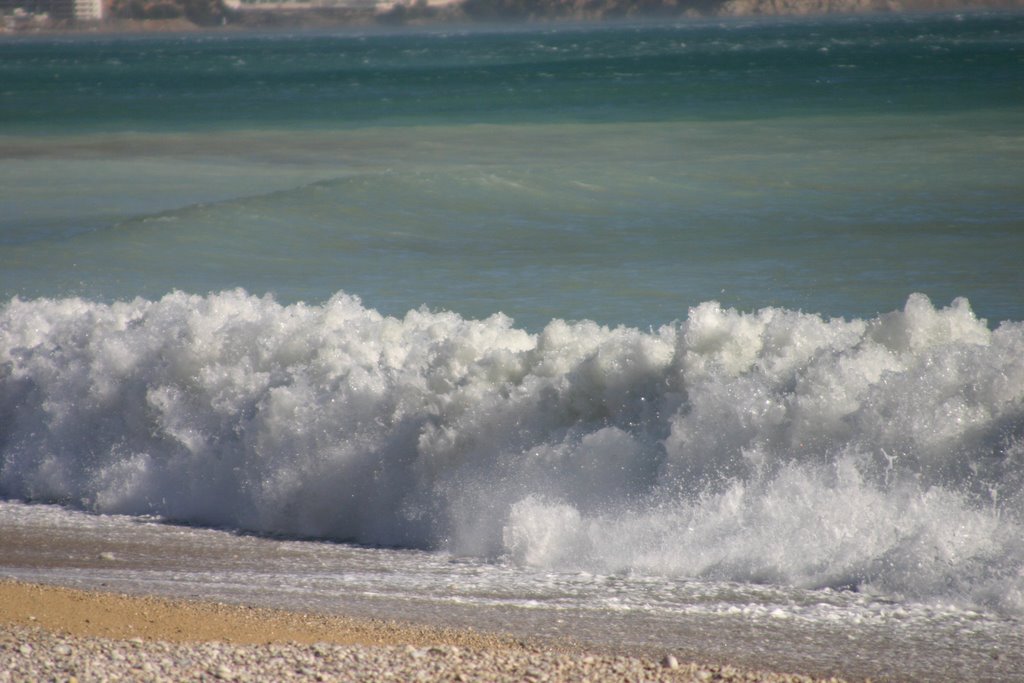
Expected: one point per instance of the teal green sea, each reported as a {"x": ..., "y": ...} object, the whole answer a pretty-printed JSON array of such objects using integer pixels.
[{"x": 619, "y": 173}]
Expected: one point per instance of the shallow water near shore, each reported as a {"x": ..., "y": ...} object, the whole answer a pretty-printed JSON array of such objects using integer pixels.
[
  {"x": 758, "y": 626},
  {"x": 701, "y": 336}
]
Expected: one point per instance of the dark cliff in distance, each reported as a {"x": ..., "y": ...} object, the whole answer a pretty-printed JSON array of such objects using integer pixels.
[{"x": 424, "y": 11}]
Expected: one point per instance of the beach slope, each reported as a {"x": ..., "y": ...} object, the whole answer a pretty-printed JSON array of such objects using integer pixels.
[{"x": 56, "y": 633}]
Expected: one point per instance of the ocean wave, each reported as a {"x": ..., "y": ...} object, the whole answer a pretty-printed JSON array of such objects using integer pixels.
[{"x": 883, "y": 454}]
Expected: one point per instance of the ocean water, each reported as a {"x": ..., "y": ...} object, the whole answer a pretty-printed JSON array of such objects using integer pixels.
[{"x": 700, "y": 335}]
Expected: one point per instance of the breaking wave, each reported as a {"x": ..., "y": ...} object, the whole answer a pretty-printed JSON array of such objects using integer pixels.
[{"x": 776, "y": 446}]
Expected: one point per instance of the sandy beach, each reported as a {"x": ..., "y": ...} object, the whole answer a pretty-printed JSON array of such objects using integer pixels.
[{"x": 55, "y": 633}]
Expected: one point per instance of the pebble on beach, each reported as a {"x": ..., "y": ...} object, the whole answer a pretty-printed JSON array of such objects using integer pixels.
[
  {"x": 51, "y": 633},
  {"x": 35, "y": 654}
]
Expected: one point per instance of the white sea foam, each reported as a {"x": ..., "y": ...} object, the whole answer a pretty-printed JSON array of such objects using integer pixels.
[{"x": 776, "y": 446}]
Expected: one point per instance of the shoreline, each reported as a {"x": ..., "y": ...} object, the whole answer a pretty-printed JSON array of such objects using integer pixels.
[
  {"x": 63, "y": 633},
  {"x": 119, "y": 616}
]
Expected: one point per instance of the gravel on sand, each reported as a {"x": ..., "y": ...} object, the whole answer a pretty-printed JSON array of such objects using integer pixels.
[{"x": 60, "y": 634}]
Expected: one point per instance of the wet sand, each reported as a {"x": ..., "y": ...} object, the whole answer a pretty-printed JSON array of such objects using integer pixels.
[
  {"x": 122, "y": 617},
  {"x": 56, "y": 633}
]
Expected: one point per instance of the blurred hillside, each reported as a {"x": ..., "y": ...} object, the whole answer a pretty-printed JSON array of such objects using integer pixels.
[{"x": 129, "y": 15}]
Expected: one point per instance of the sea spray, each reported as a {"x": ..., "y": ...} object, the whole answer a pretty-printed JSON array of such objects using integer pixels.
[{"x": 773, "y": 447}]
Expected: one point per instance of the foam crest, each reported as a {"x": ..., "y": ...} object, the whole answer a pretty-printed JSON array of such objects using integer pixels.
[{"x": 775, "y": 446}]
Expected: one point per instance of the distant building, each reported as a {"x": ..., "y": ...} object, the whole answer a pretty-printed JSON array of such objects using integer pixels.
[
  {"x": 52, "y": 10},
  {"x": 88, "y": 10}
]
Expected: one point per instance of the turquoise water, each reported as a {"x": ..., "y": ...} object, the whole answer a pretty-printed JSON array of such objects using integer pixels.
[
  {"x": 687, "y": 328},
  {"x": 618, "y": 174}
]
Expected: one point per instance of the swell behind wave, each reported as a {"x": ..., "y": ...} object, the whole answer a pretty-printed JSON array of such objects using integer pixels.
[{"x": 883, "y": 454}]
